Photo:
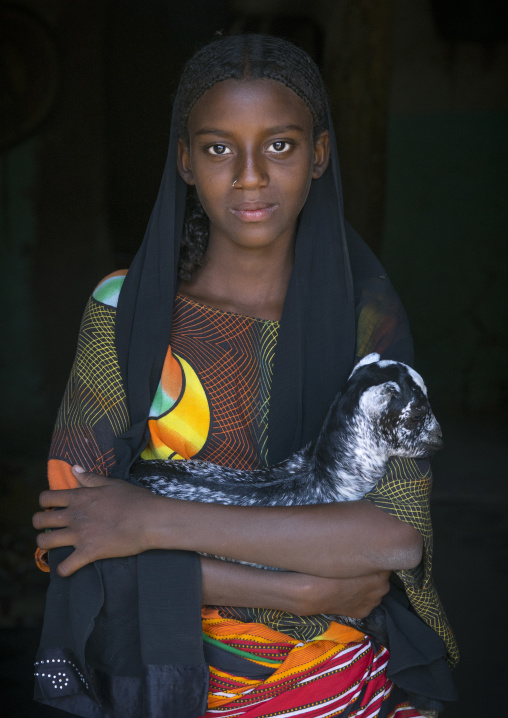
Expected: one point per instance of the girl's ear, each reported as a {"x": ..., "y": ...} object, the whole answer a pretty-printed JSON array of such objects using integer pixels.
[
  {"x": 321, "y": 154},
  {"x": 184, "y": 164}
]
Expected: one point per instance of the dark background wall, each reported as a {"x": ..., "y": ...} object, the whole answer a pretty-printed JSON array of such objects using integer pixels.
[
  {"x": 419, "y": 96},
  {"x": 445, "y": 223}
]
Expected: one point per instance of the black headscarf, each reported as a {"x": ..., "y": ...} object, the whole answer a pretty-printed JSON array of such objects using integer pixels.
[{"x": 316, "y": 341}]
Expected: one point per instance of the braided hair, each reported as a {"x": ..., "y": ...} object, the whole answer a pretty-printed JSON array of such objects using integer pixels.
[{"x": 240, "y": 57}]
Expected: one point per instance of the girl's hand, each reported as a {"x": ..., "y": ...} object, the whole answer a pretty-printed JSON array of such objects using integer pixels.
[
  {"x": 229, "y": 584},
  {"x": 353, "y": 597},
  {"x": 104, "y": 518}
]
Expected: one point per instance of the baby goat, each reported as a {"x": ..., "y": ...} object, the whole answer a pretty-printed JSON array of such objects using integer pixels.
[{"x": 383, "y": 411}]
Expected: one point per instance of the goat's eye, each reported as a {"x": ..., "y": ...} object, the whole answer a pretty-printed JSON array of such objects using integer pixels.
[{"x": 417, "y": 416}]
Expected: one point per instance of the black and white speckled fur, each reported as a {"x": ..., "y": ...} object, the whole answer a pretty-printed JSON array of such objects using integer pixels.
[{"x": 383, "y": 411}]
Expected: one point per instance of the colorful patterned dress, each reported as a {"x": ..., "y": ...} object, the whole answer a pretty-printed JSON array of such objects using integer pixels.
[{"x": 212, "y": 403}]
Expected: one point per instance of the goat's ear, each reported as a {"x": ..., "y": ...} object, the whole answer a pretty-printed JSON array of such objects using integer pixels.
[
  {"x": 376, "y": 398},
  {"x": 369, "y": 359}
]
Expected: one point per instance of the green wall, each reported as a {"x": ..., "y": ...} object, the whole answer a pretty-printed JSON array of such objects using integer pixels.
[
  {"x": 446, "y": 249},
  {"x": 20, "y": 372}
]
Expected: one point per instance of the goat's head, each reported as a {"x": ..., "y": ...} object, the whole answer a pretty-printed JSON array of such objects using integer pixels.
[{"x": 392, "y": 398}]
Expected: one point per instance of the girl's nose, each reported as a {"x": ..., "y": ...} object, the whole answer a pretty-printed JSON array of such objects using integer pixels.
[{"x": 251, "y": 171}]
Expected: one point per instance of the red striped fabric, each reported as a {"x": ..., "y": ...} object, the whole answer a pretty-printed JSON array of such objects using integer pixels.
[{"x": 319, "y": 679}]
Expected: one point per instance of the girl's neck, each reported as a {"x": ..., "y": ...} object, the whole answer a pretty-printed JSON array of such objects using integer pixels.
[{"x": 252, "y": 282}]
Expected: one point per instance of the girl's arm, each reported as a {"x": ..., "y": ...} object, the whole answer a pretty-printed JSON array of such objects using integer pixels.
[
  {"x": 108, "y": 518},
  {"x": 232, "y": 584}
]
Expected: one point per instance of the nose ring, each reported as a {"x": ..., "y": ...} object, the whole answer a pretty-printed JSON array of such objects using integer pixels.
[{"x": 234, "y": 183}]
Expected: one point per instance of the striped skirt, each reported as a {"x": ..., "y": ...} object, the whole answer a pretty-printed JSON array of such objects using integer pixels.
[{"x": 272, "y": 674}]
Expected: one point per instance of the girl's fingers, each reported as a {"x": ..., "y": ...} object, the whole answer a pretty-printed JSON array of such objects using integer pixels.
[
  {"x": 89, "y": 479},
  {"x": 72, "y": 563},
  {"x": 51, "y": 498},
  {"x": 55, "y": 539},
  {"x": 102, "y": 518},
  {"x": 58, "y": 498},
  {"x": 43, "y": 520}
]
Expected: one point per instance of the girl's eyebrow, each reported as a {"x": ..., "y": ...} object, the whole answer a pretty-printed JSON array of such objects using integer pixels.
[{"x": 269, "y": 131}]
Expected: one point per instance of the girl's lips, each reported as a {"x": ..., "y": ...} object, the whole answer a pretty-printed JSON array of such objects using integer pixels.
[{"x": 253, "y": 211}]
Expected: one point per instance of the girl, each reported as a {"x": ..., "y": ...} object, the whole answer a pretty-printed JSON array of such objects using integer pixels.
[{"x": 265, "y": 298}]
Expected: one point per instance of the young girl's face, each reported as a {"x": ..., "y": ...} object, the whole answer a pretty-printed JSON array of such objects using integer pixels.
[{"x": 252, "y": 157}]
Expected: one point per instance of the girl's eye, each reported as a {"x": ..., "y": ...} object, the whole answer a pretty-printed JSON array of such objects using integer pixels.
[
  {"x": 279, "y": 146},
  {"x": 219, "y": 150}
]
